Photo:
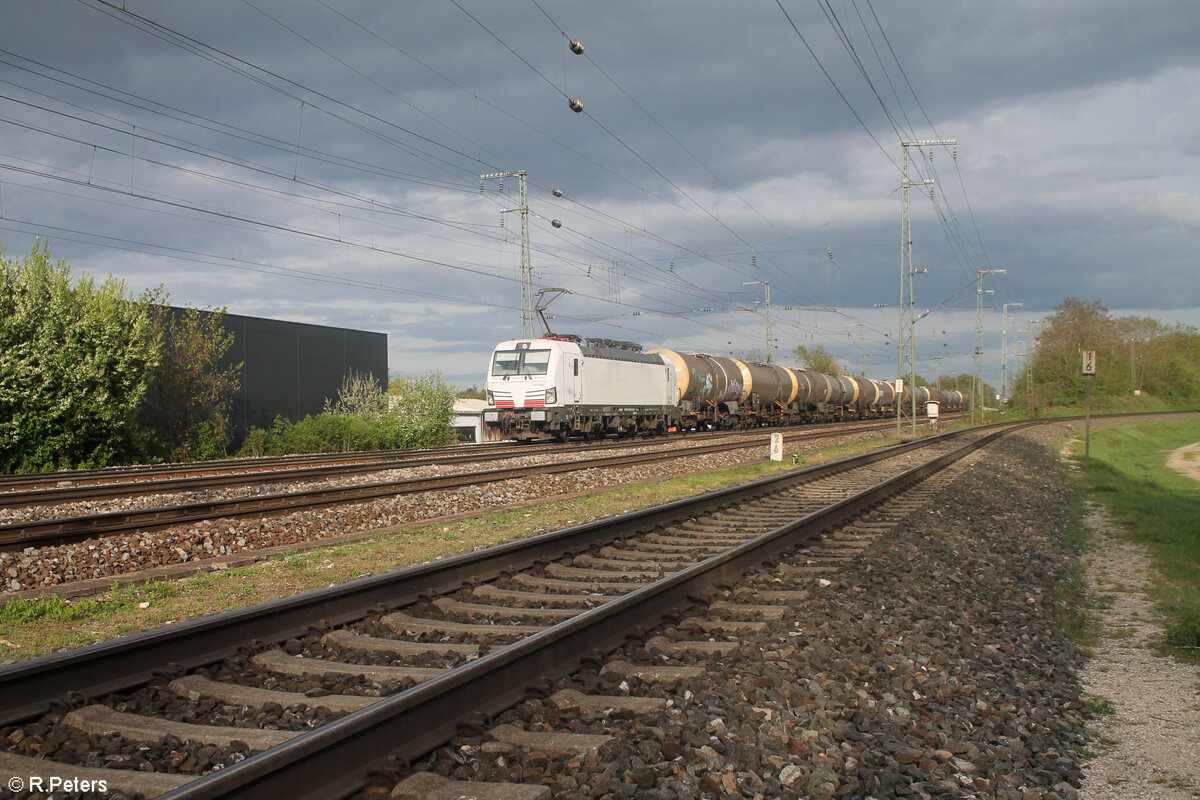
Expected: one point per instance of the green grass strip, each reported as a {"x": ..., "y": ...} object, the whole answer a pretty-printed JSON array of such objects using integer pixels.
[{"x": 1159, "y": 507}]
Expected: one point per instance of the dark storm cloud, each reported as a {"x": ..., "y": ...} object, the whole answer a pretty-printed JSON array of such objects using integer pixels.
[{"x": 321, "y": 162}]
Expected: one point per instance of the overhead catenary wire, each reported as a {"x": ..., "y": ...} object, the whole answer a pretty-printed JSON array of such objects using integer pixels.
[
  {"x": 574, "y": 243},
  {"x": 242, "y": 67},
  {"x": 613, "y": 135},
  {"x": 946, "y": 217}
]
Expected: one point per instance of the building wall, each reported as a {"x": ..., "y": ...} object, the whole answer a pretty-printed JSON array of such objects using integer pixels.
[
  {"x": 468, "y": 421},
  {"x": 290, "y": 368}
]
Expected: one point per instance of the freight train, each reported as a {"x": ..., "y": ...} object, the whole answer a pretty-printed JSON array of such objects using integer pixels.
[{"x": 561, "y": 387}]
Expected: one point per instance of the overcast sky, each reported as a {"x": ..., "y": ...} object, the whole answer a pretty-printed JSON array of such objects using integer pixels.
[{"x": 320, "y": 160}]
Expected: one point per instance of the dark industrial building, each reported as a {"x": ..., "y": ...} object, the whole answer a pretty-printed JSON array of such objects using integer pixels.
[{"x": 290, "y": 368}]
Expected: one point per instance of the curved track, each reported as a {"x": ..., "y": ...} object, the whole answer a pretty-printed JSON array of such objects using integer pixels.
[
  {"x": 50, "y": 531},
  {"x": 444, "y": 640},
  {"x": 68, "y": 485}
]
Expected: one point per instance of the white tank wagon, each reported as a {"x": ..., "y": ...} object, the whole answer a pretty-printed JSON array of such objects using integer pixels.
[{"x": 557, "y": 388}]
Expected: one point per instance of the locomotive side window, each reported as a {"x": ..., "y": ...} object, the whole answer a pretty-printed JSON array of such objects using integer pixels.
[{"x": 521, "y": 362}]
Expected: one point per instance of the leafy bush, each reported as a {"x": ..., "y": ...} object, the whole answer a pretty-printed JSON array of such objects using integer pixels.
[
  {"x": 416, "y": 412},
  {"x": 361, "y": 395}
]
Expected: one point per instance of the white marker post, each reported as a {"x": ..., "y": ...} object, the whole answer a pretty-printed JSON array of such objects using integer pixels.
[
  {"x": 1089, "y": 371},
  {"x": 777, "y": 447}
]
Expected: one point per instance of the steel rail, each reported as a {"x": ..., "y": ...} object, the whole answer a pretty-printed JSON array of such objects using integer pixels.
[
  {"x": 37, "y": 533},
  {"x": 61, "y": 487},
  {"x": 336, "y": 759},
  {"x": 60, "y": 494},
  {"x": 27, "y": 688},
  {"x": 81, "y": 477},
  {"x": 67, "y": 530}
]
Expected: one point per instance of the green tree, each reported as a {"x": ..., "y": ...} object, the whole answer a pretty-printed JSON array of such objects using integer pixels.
[
  {"x": 1074, "y": 327},
  {"x": 74, "y": 363},
  {"x": 818, "y": 359},
  {"x": 188, "y": 399}
]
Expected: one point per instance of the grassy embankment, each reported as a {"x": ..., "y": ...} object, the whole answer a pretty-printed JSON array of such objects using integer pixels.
[
  {"x": 33, "y": 627},
  {"x": 1158, "y": 507},
  {"x": 1118, "y": 404}
]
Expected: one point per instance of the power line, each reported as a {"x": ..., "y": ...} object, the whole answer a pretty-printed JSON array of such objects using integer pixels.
[{"x": 362, "y": 207}]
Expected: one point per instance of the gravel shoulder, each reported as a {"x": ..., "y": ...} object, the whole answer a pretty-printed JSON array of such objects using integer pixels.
[
  {"x": 1149, "y": 746},
  {"x": 933, "y": 667}
]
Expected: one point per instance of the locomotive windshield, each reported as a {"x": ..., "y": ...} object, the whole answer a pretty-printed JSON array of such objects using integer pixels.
[{"x": 521, "y": 362}]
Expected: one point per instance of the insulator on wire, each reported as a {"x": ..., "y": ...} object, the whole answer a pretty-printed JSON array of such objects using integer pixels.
[
  {"x": 576, "y": 47},
  {"x": 556, "y": 223},
  {"x": 481, "y": 187},
  {"x": 576, "y": 104},
  {"x": 556, "y": 192},
  {"x": 502, "y": 220}
]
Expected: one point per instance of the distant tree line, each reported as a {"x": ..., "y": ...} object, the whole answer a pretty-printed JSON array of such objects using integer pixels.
[
  {"x": 1132, "y": 354},
  {"x": 91, "y": 376}
]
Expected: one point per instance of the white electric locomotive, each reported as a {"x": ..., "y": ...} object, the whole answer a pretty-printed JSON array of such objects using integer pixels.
[{"x": 560, "y": 387}]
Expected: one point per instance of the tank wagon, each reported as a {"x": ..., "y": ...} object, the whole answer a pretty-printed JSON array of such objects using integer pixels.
[
  {"x": 948, "y": 399},
  {"x": 563, "y": 386},
  {"x": 720, "y": 392}
]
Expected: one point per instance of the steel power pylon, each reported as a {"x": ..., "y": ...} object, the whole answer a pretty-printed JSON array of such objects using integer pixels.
[
  {"x": 1004, "y": 352},
  {"x": 527, "y": 309},
  {"x": 770, "y": 343},
  {"x": 907, "y": 349},
  {"x": 977, "y": 382}
]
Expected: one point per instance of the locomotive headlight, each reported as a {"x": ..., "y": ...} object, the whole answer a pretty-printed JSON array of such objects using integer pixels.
[
  {"x": 491, "y": 399},
  {"x": 551, "y": 396}
]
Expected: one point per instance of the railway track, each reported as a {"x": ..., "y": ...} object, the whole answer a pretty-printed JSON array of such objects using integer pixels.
[
  {"x": 72, "y": 485},
  {"x": 120, "y": 476},
  {"x": 388, "y": 667},
  {"x": 53, "y": 531}
]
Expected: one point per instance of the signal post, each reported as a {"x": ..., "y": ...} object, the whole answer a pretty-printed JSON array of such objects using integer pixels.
[{"x": 1089, "y": 371}]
